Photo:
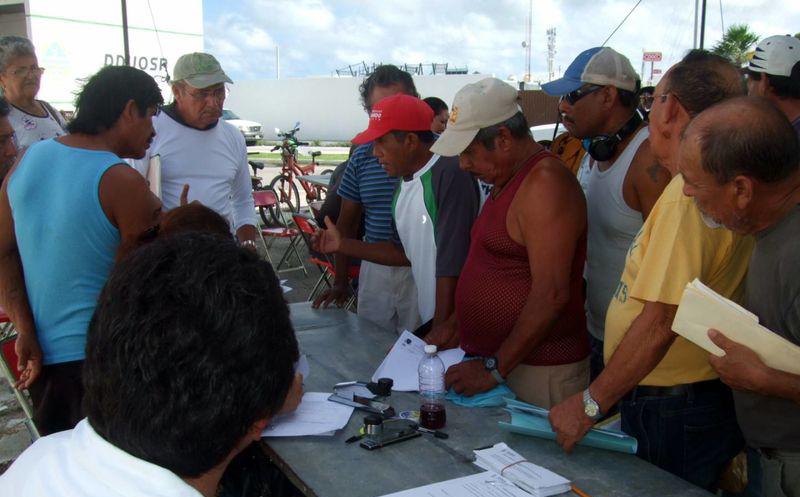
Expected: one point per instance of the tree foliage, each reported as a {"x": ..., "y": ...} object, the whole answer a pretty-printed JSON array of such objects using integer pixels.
[{"x": 736, "y": 43}]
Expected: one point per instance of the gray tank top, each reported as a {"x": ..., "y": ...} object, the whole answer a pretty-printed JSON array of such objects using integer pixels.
[{"x": 612, "y": 227}]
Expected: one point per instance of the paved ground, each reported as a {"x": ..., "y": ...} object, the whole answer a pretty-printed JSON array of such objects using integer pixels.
[{"x": 14, "y": 435}]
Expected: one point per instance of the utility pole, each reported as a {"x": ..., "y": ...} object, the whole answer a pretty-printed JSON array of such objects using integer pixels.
[
  {"x": 696, "y": 13},
  {"x": 126, "y": 47},
  {"x": 551, "y": 53},
  {"x": 527, "y": 43},
  {"x": 703, "y": 26},
  {"x": 277, "y": 62}
]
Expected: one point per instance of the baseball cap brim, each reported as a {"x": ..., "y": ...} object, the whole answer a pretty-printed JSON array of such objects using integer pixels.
[
  {"x": 206, "y": 80},
  {"x": 369, "y": 135},
  {"x": 561, "y": 86},
  {"x": 453, "y": 141}
]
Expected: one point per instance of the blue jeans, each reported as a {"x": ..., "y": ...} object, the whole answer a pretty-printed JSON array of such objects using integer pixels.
[{"x": 693, "y": 435}]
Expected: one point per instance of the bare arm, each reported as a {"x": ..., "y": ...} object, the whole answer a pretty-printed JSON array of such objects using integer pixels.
[
  {"x": 445, "y": 299},
  {"x": 246, "y": 232},
  {"x": 552, "y": 203},
  {"x": 644, "y": 345},
  {"x": 647, "y": 341},
  {"x": 129, "y": 205},
  {"x": 330, "y": 240},
  {"x": 14, "y": 297},
  {"x": 645, "y": 181}
]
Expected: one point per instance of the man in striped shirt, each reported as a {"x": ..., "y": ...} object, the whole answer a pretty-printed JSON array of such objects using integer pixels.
[{"x": 387, "y": 295}]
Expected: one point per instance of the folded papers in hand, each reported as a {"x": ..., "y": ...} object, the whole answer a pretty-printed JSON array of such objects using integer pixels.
[
  {"x": 528, "y": 419},
  {"x": 702, "y": 308}
]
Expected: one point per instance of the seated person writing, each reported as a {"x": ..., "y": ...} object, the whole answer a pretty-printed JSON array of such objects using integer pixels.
[{"x": 190, "y": 353}]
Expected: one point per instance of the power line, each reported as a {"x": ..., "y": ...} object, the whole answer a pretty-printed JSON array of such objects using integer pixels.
[
  {"x": 158, "y": 38},
  {"x": 621, "y": 23}
]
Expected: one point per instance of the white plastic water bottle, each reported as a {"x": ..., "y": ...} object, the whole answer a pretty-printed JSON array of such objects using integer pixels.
[{"x": 432, "y": 413}]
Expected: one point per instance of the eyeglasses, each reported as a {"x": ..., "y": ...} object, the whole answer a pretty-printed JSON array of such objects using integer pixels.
[
  {"x": 573, "y": 96},
  {"x": 25, "y": 71},
  {"x": 216, "y": 94}
]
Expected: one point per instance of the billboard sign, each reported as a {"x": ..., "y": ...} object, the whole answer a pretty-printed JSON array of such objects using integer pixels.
[
  {"x": 75, "y": 39},
  {"x": 651, "y": 57}
]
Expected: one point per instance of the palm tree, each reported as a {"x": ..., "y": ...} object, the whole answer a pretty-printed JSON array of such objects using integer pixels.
[{"x": 736, "y": 43}]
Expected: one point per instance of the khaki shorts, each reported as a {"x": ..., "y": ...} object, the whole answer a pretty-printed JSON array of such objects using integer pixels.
[
  {"x": 546, "y": 386},
  {"x": 387, "y": 296}
]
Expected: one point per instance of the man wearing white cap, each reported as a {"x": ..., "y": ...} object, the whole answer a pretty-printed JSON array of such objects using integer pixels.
[
  {"x": 199, "y": 149},
  {"x": 774, "y": 73},
  {"x": 519, "y": 299},
  {"x": 620, "y": 175}
]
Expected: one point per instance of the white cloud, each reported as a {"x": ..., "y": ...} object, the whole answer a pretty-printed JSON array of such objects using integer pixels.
[{"x": 318, "y": 36}]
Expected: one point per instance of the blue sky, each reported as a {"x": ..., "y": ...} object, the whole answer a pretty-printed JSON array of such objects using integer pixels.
[{"x": 317, "y": 36}]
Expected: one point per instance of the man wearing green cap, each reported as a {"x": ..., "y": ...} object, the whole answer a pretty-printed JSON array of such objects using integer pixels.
[{"x": 199, "y": 149}]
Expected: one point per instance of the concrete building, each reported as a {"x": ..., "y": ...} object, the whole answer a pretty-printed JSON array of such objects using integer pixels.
[{"x": 74, "y": 39}]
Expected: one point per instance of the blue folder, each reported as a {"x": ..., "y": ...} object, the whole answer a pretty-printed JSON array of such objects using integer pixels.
[{"x": 528, "y": 419}]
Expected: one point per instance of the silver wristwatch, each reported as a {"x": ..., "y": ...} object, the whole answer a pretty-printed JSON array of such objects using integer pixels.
[{"x": 590, "y": 406}]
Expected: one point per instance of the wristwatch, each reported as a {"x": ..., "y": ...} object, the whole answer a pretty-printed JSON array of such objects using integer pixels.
[
  {"x": 490, "y": 363},
  {"x": 590, "y": 406},
  {"x": 250, "y": 244}
]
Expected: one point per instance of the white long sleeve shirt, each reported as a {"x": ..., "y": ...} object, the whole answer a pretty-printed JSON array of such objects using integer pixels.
[
  {"x": 212, "y": 162},
  {"x": 80, "y": 462}
]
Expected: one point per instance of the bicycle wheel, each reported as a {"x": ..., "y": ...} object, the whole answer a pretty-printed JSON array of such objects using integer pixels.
[{"x": 288, "y": 197}]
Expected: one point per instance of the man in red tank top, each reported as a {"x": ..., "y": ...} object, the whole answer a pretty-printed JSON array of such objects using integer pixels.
[{"x": 519, "y": 300}]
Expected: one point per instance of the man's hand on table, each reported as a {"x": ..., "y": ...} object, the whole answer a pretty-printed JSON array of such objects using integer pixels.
[
  {"x": 469, "y": 378},
  {"x": 30, "y": 359},
  {"x": 740, "y": 368},
  {"x": 327, "y": 240},
  {"x": 570, "y": 422},
  {"x": 294, "y": 396}
]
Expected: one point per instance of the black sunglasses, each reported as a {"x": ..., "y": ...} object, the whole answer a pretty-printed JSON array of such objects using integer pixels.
[{"x": 573, "y": 96}]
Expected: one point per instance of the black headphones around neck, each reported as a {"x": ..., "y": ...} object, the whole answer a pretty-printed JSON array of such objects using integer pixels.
[{"x": 602, "y": 147}]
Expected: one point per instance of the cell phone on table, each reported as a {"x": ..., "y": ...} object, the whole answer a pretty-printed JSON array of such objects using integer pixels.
[{"x": 394, "y": 438}]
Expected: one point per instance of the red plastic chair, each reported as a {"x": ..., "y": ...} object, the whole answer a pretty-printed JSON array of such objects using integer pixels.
[
  {"x": 8, "y": 367},
  {"x": 267, "y": 199},
  {"x": 324, "y": 263}
]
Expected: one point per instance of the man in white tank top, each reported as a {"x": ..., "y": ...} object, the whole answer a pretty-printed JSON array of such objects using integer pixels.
[{"x": 620, "y": 175}]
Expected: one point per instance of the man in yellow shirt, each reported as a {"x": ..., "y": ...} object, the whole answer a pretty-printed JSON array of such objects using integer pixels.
[{"x": 671, "y": 399}]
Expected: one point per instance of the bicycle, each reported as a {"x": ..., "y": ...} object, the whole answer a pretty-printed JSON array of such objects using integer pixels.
[{"x": 284, "y": 184}]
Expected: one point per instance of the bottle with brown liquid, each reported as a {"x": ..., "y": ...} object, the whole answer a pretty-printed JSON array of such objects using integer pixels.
[{"x": 432, "y": 413}]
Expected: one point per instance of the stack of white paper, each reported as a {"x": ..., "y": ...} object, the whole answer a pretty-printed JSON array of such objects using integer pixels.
[
  {"x": 488, "y": 484},
  {"x": 702, "y": 308},
  {"x": 286, "y": 288},
  {"x": 535, "y": 480},
  {"x": 403, "y": 360},
  {"x": 314, "y": 416}
]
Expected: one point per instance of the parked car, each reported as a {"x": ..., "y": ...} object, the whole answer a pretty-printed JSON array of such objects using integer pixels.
[
  {"x": 544, "y": 133},
  {"x": 250, "y": 129}
]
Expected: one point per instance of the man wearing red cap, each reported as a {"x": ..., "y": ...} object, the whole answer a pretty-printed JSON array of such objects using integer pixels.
[{"x": 434, "y": 202}]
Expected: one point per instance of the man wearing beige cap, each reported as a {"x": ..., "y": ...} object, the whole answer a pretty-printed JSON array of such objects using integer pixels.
[
  {"x": 519, "y": 302},
  {"x": 199, "y": 149}
]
